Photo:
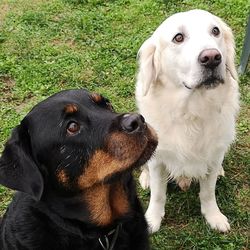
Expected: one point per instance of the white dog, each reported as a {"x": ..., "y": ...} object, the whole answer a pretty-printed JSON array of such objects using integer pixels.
[{"x": 187, "y": 90}]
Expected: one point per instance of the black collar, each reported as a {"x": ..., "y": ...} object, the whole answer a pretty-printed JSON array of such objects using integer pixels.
[{"x": 105, "y": 240}]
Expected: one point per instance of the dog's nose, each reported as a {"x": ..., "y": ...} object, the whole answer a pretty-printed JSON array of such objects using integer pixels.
[
  {"x": 210, "y": 58},
  {"x": 132, "y": 123}
]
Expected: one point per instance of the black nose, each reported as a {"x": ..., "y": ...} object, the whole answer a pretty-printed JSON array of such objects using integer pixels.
[
  {"x": 132, "y": 123},
  {"x": 210, "y": 58}
]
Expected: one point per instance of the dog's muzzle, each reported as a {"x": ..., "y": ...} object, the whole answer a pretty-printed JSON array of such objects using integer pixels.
[{"x": 210, "y": 60}]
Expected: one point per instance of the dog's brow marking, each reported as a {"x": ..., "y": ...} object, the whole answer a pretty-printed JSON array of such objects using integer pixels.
[
  {"x": 96, "y": 97},
  {"x": 70, "y": 108}
]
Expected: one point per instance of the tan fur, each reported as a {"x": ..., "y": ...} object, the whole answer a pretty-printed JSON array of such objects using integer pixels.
[
  {"x": 62, "y": 177},
  {"x": 117, "y": 158},
  {"x": 106, "y": 203},
  {"x": 70, "y": 108},
  {"x": 96, "y": 97},
  {"x": 100, "y": 166}
]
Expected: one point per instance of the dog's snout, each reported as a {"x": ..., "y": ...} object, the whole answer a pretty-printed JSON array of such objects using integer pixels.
[
  {"x": 132, "y": 123},
  {"x": 210, "y": 58}
]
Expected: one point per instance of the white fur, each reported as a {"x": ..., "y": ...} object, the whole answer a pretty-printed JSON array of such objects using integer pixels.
[{"x": 195, "y": 125}]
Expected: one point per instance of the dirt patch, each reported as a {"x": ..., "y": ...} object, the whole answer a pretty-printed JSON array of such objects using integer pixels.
[
  {"x": 8, "y": 96},
  {"x": 28, "y": 101},
  {"x": 69, "y": 43},
  {"x": 8, "y": 81},
  {"x": 7, "y": 88},
  {"x": 4, "y": 9}
]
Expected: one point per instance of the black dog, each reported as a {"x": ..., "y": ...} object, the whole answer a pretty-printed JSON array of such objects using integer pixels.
[{"x": 72, "y": 158}]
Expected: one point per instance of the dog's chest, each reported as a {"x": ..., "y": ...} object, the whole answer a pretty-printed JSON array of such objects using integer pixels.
[
  {"x": 191, "y": 149},
  {"x": 192, "y": 134}
]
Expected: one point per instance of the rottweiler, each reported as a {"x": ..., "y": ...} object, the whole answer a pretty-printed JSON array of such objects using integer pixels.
[{"x": 71, "y": 161}]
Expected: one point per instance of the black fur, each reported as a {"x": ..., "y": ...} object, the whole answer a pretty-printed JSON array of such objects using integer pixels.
[{"x": 45, "y": 162}]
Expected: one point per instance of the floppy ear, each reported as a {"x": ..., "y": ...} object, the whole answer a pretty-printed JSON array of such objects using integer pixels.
[
  {"x": 18, "y": 170},
  {"x": 148, "y": 65},
  {"x": 230, "y": 49}
]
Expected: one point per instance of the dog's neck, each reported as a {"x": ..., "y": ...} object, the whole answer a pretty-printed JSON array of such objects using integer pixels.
[
  {"x": 106, "y": 202},
  {"x": 99, "y": 205}
]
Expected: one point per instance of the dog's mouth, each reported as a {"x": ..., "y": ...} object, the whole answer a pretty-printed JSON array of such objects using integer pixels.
[
  {"x": 122, "y": 152},
  {"x": 210, "y": 81},
  {"x": 186, "y": 86},
  {"x": 211, "y": 78}
]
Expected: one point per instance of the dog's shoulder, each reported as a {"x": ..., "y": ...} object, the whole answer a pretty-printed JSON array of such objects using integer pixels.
[{"x": 27, "y": 222}]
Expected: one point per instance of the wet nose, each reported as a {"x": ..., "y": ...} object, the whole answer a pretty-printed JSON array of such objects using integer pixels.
[
  {"x": 210, "y": 58},
  {"x": 132, "y": 123}
]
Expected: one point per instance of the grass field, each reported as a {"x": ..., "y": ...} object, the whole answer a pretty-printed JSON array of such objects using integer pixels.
[{"x": 47, "y": 46}]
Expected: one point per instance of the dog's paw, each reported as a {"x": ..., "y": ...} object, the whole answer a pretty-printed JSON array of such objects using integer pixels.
[
  {"x": 154, "y": 221},
  {"x": 144, "y": 178},
  {"x": 218, "y": 221}
]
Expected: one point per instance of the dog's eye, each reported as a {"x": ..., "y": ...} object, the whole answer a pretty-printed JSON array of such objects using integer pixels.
[
  {"x": 72, "y": 128},
  {"x": 215, "y": 31},
  {"x": 179, "y": 38}
]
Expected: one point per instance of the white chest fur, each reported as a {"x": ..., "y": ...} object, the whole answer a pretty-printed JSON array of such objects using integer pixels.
[{"x": 195, "y": 127}]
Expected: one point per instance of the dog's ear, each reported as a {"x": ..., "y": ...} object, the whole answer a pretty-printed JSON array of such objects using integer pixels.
[
  {"x": 230, "y": 49},
  {"x": 18, "y": 170},
  {"x": 148, "y": 65}
]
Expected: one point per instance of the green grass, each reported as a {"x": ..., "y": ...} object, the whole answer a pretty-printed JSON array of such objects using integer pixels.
[{"x": 47, "y": 46}]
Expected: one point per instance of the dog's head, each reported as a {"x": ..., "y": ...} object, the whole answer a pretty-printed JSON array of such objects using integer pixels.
[
  {"x": 72, "y": 141},
  {"x": 190, "y": 49}
]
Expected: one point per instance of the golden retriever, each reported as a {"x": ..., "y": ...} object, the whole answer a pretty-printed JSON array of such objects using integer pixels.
[{"x": 187, "y": 90}]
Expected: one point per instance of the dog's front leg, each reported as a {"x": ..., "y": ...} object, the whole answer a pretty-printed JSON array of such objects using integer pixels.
[
  {"x": 158, "y": 187},
  {"x": 209, "y": 207}
]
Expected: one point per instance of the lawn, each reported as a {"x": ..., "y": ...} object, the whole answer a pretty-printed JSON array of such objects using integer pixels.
[{"x": 51, "y": 45}]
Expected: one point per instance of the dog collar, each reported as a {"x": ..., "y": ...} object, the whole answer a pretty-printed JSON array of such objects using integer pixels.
[{"x": 104, "y": 240}]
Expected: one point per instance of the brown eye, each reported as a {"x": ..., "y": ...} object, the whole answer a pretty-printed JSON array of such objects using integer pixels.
[
  {"x": 73, "y": 128},
  {"x": 178, "y": 38},
  {"x": 215, "y": 31}
]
